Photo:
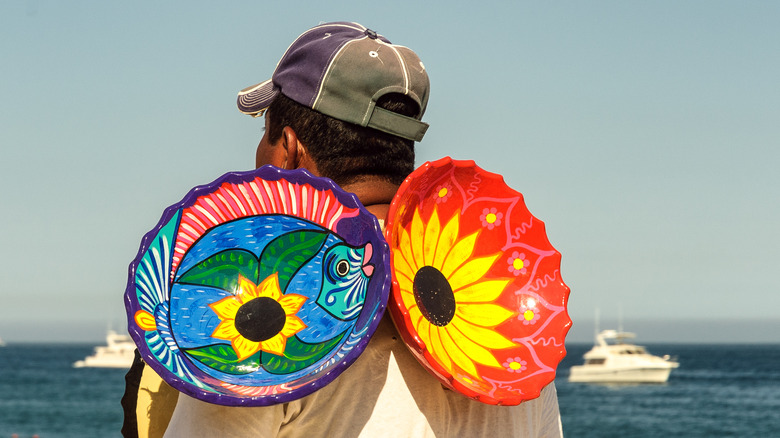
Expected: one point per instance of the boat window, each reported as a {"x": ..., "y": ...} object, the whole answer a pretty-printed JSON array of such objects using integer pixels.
[{"x": 599, "y": 361}]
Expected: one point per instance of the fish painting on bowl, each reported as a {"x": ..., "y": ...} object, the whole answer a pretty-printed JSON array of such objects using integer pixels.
[{"x": 259, "y": 288}]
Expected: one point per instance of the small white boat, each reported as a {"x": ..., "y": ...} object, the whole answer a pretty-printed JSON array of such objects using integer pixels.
[
  {"x": 118, "y": 352},
  {"x": 620, "y": 362}
]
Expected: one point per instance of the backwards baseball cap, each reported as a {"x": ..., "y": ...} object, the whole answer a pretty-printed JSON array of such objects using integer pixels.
[{"x": 341, "y": 69}]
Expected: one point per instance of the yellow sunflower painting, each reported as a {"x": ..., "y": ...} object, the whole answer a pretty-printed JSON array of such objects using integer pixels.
[
  {"x": 249, "y": 334},
  {"x": 450, "y": 303}
]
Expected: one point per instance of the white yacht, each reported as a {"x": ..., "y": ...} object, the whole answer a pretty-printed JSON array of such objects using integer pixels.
[
  {"x": 620, "y": 362},
  {"x": 118, "y": 352}
]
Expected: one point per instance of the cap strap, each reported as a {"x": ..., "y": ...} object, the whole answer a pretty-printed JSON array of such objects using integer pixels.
[{"x": 397, "y": 124}]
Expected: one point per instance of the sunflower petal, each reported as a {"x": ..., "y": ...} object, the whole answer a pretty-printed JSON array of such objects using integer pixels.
[
  {"x": 226, "y": 330},
  {"x": 270, "y": 287},
  {"x": 458, "y": 356},
  {"x": 482, "y": 292},
  {"x": 414, "y": 315},
  {"x": 474, "y": 351},
  {"x": 431, "y": 237},
  {"x": 247, "y": 290},
  {"x": 226, "y": 308},
  {"x": 405, "y": 248},
  {"x": 446, "y": 240},
  {"x": 485, "y": 315},
  {"x": 416, "y": 238},
  {"x": 438, "y": 350},
  {"x": 401, "y": 265},
  {"x": 459, "y": 253},
  {"x": 291, "y": 303},
  {"x": 407, "y": 290},
  {"x": 244, "y": 347},
  {"x": 482, "y": 336},
  {"x": 423, "y": 329},
  {"x": 292, "y": 325},
  {"x": 471, "y": 271},
  {"x": 274, "y": 345}
]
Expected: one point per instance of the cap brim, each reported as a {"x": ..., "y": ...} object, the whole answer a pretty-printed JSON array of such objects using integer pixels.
[{"x": 256, "y": 99}]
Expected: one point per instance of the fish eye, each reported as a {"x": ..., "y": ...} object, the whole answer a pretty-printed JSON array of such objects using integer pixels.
[{"x": 342, "y": 267}]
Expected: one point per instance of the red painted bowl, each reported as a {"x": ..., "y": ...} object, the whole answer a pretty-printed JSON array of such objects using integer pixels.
[{"x": 477, "y": 293}]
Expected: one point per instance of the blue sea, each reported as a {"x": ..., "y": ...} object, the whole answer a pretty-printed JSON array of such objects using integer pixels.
[{"x": 718, "y": 391}]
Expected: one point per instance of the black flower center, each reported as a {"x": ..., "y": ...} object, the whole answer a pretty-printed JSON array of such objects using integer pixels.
[
  {"x": 260, "y": 319},
  {"x": 433, "y": 295}
]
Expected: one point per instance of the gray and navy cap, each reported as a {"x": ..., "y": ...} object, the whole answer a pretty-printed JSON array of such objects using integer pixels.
[{"x": 341, "y": 69}]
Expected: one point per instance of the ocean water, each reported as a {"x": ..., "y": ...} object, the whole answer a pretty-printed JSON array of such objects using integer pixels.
[
  {"x": 42, "y": 394},
  {"x": 718, "y": 391}
]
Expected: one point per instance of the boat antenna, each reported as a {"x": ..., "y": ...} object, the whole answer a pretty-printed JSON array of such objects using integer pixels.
[
  {"x": 620, "y": 318},
  {"x": 596, "y": 323}
]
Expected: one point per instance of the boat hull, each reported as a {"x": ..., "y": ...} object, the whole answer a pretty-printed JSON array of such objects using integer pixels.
[
  {"x": 582, "y": 374},
  {"x": 118, "y": 353},
  {"x": 91, "y": 362}
]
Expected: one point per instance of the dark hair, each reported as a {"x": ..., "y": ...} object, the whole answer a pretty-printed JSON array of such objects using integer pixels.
[{"x": 345, "y": 152}]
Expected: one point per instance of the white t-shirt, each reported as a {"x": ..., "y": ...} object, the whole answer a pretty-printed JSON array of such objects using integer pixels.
[{"x": 385, "y": 393}]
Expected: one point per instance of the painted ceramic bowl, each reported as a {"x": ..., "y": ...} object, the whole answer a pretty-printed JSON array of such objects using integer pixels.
[
  {"x": 258, "y": 288},
  {"x": 477, "y": 291}
]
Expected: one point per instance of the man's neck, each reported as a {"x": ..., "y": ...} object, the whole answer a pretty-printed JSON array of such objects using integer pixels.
[{"x": 375, "y": 194}]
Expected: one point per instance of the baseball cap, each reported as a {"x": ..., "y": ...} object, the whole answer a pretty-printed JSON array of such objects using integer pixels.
[{"x": 341, "y": 69}]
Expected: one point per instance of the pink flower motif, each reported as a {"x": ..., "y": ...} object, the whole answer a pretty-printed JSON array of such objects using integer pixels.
[
  {"x": 443, "y": 193},
  {"x": 491, "y": 218},
  {"x": 518, "y": 264},
  {"x": 514, "y": 364},
  {"x": 529, "y": 315}
]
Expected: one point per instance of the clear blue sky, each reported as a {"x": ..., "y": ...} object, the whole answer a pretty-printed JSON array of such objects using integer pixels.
[{"x": 646, "y": 135}]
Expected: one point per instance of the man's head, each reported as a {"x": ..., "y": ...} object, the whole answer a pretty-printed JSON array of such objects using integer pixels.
[{"x": 352, "y": 101}]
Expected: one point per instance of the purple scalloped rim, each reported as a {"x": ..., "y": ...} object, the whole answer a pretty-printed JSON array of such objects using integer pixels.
[{"x": 355, "y": 231}]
